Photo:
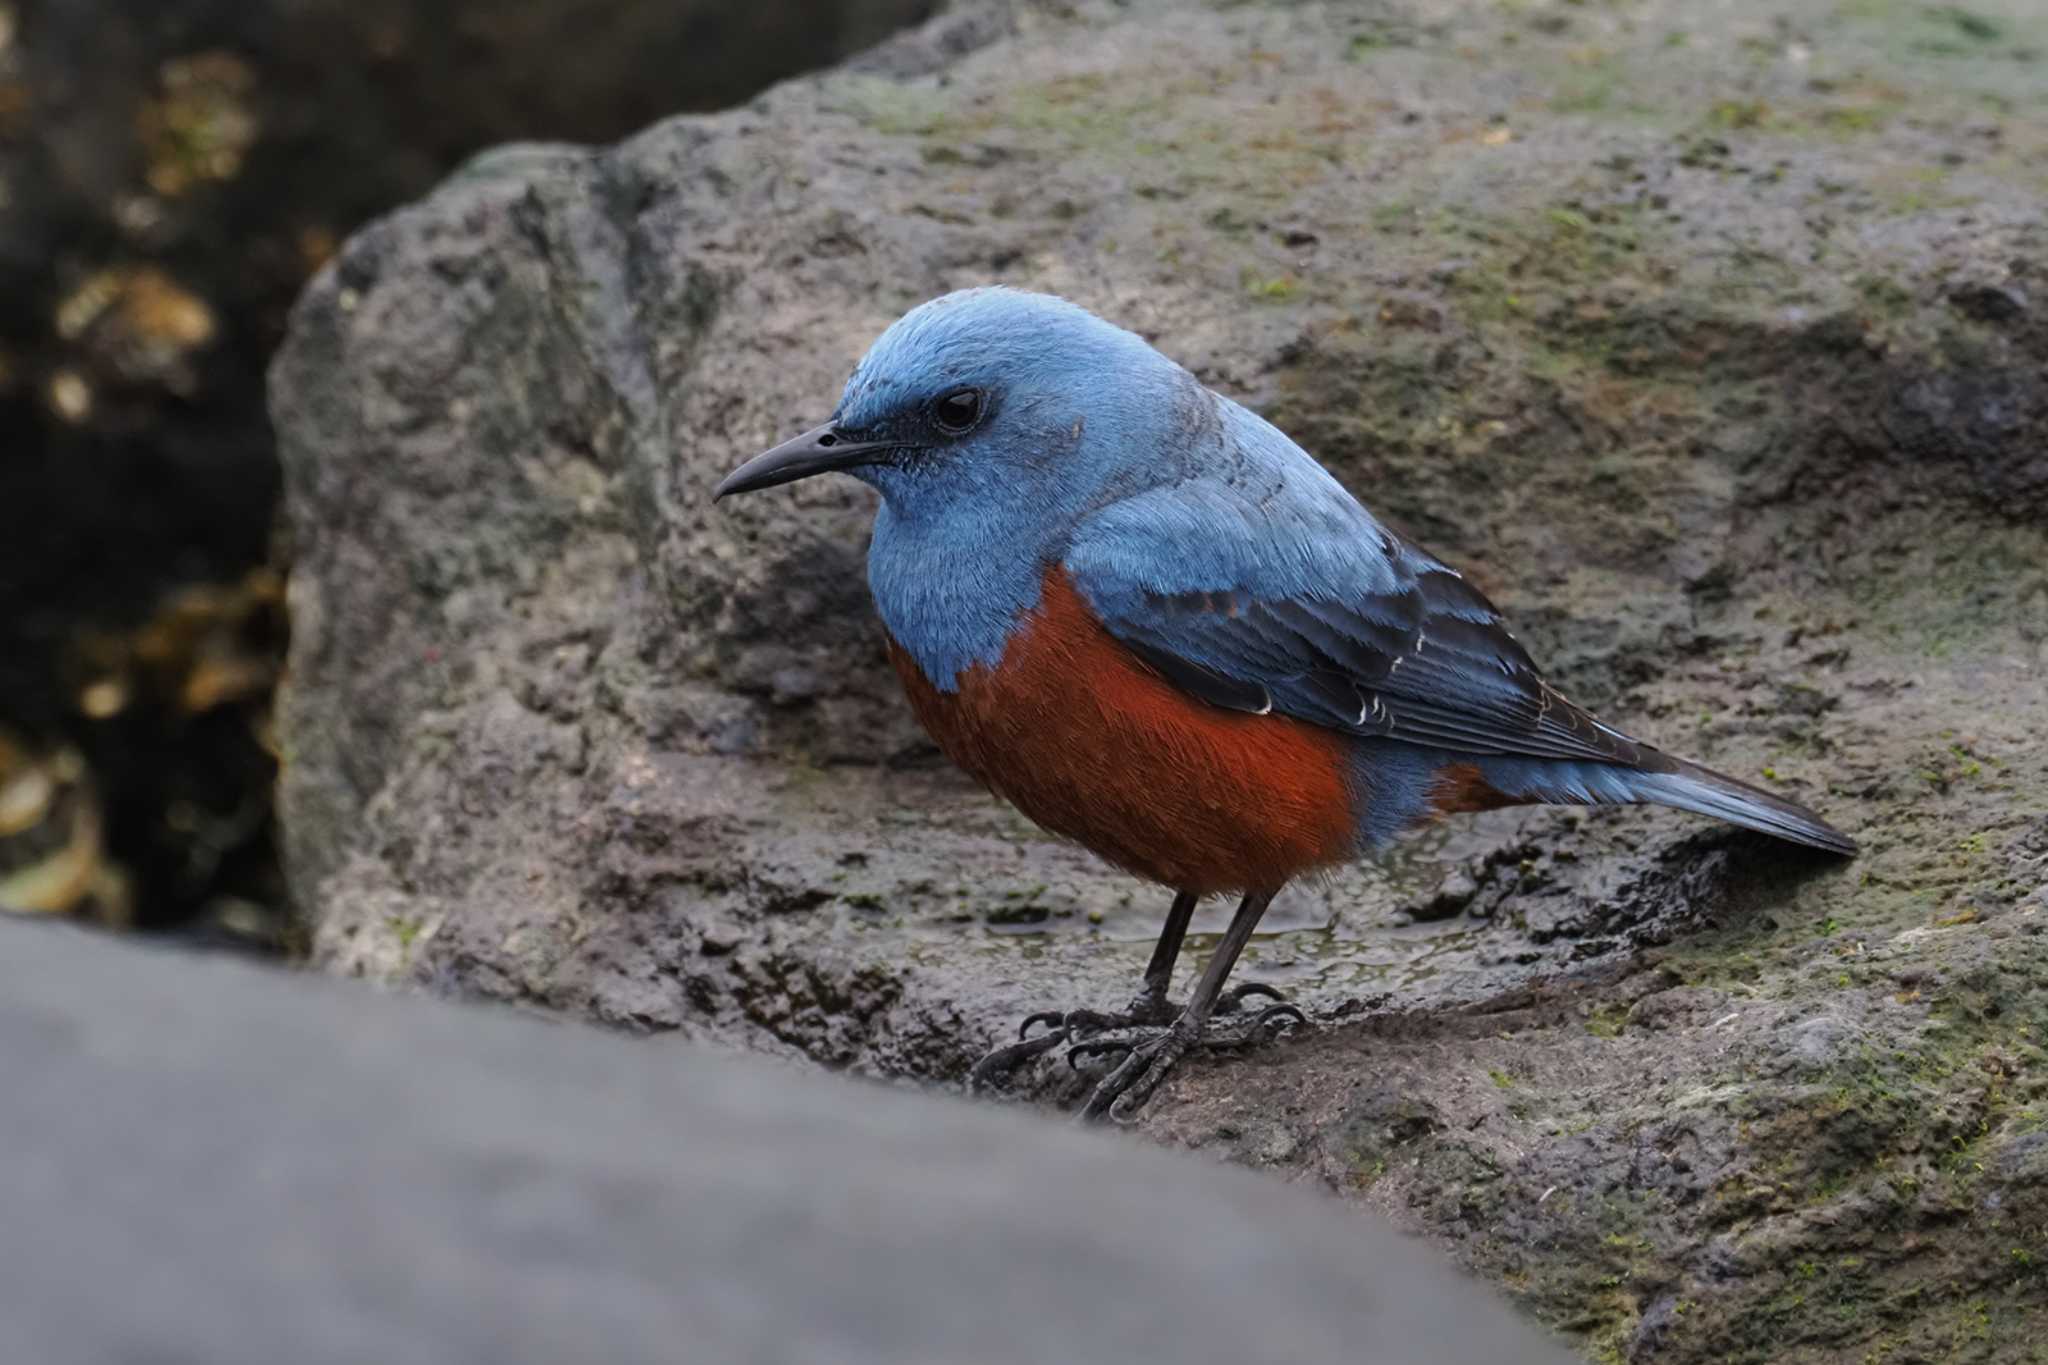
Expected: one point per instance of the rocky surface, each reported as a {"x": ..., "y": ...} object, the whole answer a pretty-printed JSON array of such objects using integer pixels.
[
  {"x": 1710, "y": 342},
  {"x": 171, "y": 172},
  {"x": 270, "y": 1170}
]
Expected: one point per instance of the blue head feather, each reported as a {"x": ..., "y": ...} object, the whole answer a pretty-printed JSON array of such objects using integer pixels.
[
  {"x": 1095, "y": 450},
  {"x": 1076, "y": 413}
]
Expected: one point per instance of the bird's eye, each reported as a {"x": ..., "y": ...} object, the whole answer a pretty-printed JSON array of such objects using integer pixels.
[{"x": 957, "y": 412}]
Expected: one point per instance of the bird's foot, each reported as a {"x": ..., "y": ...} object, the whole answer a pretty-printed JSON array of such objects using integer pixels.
[
  {"x": 1148, "y": 1052},
  {"x": 1063, "y": 1026},
  {"x": 1146, "y": 1026}
]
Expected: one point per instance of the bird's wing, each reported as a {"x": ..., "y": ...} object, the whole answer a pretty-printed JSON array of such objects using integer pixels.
[{"x": 1294, "y": 600}]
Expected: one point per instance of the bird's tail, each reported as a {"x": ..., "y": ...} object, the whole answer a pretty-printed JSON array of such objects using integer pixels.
[
  {"x": 1664, "y": 781},
  {"x": 1688, "y": 786}
]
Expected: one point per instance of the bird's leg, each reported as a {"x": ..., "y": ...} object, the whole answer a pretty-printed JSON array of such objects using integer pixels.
[
  {"x": 1151, "y": 1014},
  {"x": 1149, "y": 1006},
  {"x": 1124, "y": 1090},
  {"x": 1151, "y": 998}
]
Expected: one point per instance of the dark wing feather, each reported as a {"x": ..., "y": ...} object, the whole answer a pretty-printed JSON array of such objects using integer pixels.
[
  {"x": 1425, "y": 659},
  {"x": 1218, "y": 689}
]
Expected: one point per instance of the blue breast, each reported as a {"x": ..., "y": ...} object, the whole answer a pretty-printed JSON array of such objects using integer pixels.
[{"x": 953, "y": 590}]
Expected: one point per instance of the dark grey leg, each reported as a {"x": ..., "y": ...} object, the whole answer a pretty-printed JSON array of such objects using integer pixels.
[
  {"x": 1151, "y": 1033},
  {"x": 1159, "y": 971},
  {"x": 1148, "y": 1006},
  {"x": 1242, "y": 925},
  {"x": 1125, "y": 1089}
]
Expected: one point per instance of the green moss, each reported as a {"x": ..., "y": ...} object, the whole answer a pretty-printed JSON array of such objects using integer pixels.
[
  {"x": 1884, "y": 294},
  {"x": 1274, "y": 289},
  {"x": 1607, "y": 1021},
  {"x": 1738, "y": 114},
  {"x": 896, "y": 108},
  {"x": 1972, "y": 31}
]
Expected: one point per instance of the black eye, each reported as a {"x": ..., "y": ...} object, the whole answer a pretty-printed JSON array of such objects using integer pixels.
[{"x": 957, "y": 412}]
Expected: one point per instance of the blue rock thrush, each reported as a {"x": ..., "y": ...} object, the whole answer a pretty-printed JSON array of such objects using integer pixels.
[{"x": 1155, "y": 624}]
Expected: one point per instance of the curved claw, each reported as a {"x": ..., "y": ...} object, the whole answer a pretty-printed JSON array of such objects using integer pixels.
[
  {"x": 1234, "y": 998},
  {"x": 1124, "y": 1091},
  {"x": 1097, "y": 1047},
  {"x": 1112, "y": 1088},
  {"x": 1052, "y": 1019},
  {"x": 1279, "y": 1014},
  {"x": 1250, "y": 1030},
  {"x": 1123, "y": 1110},
  {"x": 1080, "y": 1023},
  {"x": 1005, "y": 1059}
]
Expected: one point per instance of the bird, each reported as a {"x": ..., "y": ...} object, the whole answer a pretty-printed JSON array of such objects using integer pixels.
[{"x": 1148, "y": 619}]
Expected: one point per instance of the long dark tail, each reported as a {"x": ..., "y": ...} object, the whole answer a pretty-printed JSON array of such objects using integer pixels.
[
  {"x": 1664, "y": 781},
  {"x": 1691, "y": 787}
]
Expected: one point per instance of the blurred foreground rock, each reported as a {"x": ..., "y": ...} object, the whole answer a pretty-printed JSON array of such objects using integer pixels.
[
  {"x": 1711, "y": 342},
  {"x": 210, "y": 1161}
]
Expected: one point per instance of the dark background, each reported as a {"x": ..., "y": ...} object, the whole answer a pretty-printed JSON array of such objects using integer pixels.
[{"x": 171, "y": 172}]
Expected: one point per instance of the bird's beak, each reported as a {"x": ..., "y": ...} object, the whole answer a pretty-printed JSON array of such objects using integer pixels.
[{"x": 817, "y": 451}]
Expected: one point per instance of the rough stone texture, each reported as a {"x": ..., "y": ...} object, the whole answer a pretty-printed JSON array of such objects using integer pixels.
[
  {"x": 1710, "y": 341},
  {"x": 171, "y": 172},
  {"x": 211, "y": 1162}
]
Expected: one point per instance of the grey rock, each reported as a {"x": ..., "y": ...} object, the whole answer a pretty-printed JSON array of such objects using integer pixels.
[
  {"x": 208, "y": 1161},
  {"x": 1819, "y": 1044},
  {"x": 1451, "y": 898},
  {"x": 1678, "y": 1007}
]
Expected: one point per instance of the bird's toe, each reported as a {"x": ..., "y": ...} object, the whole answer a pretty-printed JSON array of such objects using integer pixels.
[
  {"x": 1003, "y": 1060},
  {"x": 1119, "y": 1095},
  {"x": 1139, "y": 1046},
  {"x": 1232, "y": 1000},
  {"x": 1252, "y": 1027},
  {"x": 1052, "y": 1019}
]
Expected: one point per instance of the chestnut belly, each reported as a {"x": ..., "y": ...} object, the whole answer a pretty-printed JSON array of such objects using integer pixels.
[{"x": 1079, "y": 735}]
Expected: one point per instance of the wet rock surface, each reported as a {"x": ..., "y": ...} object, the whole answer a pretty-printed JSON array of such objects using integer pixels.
[
  {"x": 1708, "y": 343},
  {"x": 281, "y": 1170}
]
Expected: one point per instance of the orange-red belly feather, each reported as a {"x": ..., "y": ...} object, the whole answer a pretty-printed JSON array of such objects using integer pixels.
[{"x": 1080, "y": 736}]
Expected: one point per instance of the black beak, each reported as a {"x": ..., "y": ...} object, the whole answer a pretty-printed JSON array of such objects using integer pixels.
[{"x": 818, "y": 451}]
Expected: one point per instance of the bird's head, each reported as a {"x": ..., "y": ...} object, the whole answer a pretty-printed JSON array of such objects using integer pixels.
[{"x": 990, "y": 401}]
